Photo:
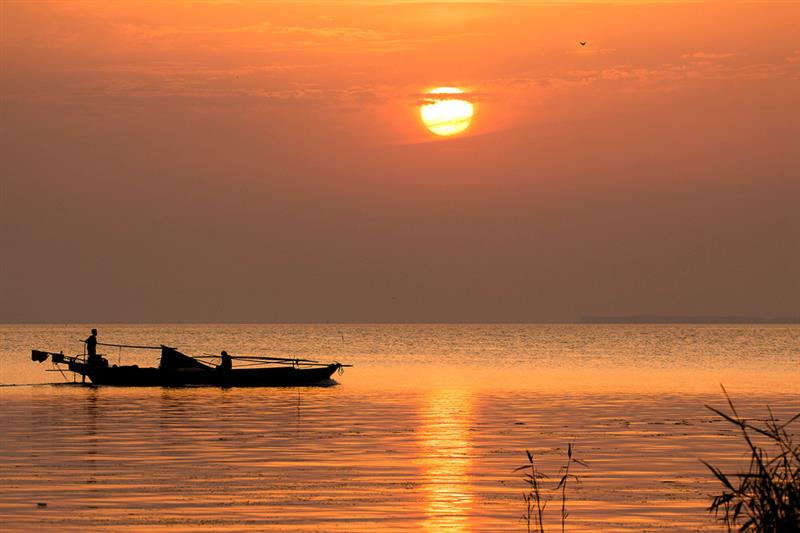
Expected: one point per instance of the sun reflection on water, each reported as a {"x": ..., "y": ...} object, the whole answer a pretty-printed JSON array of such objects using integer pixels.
[{"x": 446, "y": 460}]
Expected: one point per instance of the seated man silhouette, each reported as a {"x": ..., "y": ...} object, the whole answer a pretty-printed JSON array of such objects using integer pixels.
[{"x": 226, "y": 362}]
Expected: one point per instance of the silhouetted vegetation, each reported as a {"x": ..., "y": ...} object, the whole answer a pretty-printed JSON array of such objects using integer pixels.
[
  {"x": 537, "y": 496},
  {"x": 767, "y": 497}
]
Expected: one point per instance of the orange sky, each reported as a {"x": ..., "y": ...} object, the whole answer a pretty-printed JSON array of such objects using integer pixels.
[{"x": 248, "y": 161}]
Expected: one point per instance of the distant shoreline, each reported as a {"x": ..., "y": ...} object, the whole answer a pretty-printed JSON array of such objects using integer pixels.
[{"x": 658, "y": 319}]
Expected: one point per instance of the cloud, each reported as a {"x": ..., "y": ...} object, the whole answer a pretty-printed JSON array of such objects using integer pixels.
[
  {"x": 663, "y": 76},
  {"x": 270, "y": 36},
  {"x": 194, "y": 89},
  {"x": 192, "y": 68},
  {"x": 427, "y": 98},
  {"x": 589, "y": 50},
  {"x": 707, "y": 56}
]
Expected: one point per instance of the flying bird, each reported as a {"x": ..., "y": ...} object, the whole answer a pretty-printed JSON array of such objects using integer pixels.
[{"x": 583, "y": 43}]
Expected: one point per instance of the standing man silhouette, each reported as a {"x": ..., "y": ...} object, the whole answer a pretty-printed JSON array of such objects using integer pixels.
[{"x": 91, "y": 347}]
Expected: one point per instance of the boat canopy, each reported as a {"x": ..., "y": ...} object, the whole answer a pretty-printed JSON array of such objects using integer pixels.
[{"x": 172, "y": 359}]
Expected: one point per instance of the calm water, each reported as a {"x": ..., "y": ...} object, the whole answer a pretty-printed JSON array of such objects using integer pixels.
[{"x": 422, "y": 434}]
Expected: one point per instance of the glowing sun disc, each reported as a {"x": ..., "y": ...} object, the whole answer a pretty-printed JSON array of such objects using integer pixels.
[{"x": 445, "y": 114}]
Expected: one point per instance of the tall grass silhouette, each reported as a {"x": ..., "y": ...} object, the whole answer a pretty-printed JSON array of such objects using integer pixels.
[
  {"x": 537, "y": 495},
  {"x": 766, "y": 498}
]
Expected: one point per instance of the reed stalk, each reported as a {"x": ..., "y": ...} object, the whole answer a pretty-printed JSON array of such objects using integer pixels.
[
  {"x": 537, "y": 495},
  {"x": 766, "y": 498}
]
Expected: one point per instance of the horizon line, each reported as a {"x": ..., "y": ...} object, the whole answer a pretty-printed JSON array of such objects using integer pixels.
[{"x": 583, "y": 321}]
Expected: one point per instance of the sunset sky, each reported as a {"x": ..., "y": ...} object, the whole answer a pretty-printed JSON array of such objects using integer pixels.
[{"x": 266, "y": 162}]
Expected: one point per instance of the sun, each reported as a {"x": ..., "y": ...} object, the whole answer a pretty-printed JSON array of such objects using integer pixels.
[{"x": 445, "y": 114}]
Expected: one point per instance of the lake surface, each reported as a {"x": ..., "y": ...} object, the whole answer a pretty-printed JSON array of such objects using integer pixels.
[{"x": 423, "y": 433}]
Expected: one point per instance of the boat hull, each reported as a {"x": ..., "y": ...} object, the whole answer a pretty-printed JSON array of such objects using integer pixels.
[{"x": 133, "y": 376}]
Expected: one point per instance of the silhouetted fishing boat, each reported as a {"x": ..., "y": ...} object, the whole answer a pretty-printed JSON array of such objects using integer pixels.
[{"x": 177, "y": 369}]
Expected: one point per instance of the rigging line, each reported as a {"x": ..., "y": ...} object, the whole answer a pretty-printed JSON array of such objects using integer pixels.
[
  {"x": 131, "y": 346},
  {"x": 260, "y": 358},
  {"x": 268, "y": 358},
  {"x": 62, "y": 372},
  {"x": 245, "y": 365},
  {"x": 262, "y": 362}
]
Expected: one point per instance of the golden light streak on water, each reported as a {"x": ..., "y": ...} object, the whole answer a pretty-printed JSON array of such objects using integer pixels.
[{"x": 446, "y": 460}]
